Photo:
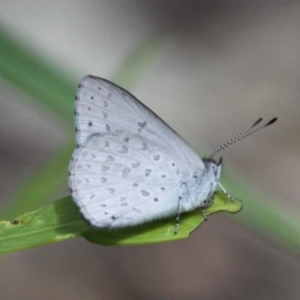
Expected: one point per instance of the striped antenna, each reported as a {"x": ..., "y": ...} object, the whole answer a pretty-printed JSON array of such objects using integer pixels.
[{"x": 241, "y": 136}]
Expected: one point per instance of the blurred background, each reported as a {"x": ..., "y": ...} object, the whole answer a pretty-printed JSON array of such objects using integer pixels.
[{"x": 209, "y": 69}]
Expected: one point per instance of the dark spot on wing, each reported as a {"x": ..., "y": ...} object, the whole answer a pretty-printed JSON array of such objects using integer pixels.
[
  {"x": 123, "y": 150},
  {"x": 136, "y": 164},
  {"x": 125, "y": 172},
  {"x": 145, "y": 193},
  {"x": 147, "y": 172},
  {"x": 142, "y": 125},
  {"x": 110, "y": 158},
  {"x": 105, "y": 168},
  {"x": 103, "y": 179},
  {"x": 144, "y": 146},
  {"x": 136, "y": 210}
]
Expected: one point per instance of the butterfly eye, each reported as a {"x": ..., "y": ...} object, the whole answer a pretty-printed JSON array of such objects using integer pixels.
[
  {"x": 220, "y": 161},
  {"x": 215, "y": 169}
]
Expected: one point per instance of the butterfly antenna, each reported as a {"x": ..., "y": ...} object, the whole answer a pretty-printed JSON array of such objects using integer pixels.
[{"x": 242, "y": 135}]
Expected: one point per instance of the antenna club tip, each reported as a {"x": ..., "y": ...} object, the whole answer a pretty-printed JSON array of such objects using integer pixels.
[{"x": 272, "y": 121}]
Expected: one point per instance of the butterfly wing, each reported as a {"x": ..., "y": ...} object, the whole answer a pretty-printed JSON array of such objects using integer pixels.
[
  {"x": 129, "y": 166},
  {"x": 118, "y": 180},
  {"x": 101, "y": 106}
]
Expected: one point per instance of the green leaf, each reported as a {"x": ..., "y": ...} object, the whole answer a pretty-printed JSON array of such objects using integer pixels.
[
  {"x": 162, "y": 230},
  {"x": 61, "y": 220}
]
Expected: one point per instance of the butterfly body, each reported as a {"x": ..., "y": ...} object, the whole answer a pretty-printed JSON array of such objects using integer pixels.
[{"x": 129, "y": 166}]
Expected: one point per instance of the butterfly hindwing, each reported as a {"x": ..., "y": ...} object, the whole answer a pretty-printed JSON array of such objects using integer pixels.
[{"x": 119, "y": 180}]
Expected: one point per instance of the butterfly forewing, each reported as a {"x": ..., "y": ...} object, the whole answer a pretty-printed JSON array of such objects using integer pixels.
[{"x": 103, "y": 107}]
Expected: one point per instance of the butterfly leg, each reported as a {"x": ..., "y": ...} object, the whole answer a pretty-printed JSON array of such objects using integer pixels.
[
  {"x": 226, "y": 193},
  {"x": 206, "y": 203},
  {"x": 203, "y": 211}
]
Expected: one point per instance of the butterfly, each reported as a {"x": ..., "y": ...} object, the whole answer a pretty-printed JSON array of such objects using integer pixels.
[{"x": 129, "y": 166}]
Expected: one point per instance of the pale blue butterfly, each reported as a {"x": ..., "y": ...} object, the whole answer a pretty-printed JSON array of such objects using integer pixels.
[{"x": 129, "y": 166}]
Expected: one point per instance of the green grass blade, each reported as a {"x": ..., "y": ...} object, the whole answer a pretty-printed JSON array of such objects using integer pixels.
[
  {"x": 55, "y": 222},
  {"x": 162, "y": 230},
  {"x": 61, "y": 220}
]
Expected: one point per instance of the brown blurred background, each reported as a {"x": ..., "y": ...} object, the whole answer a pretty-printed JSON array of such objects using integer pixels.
[{"x": 224, "y": 64}]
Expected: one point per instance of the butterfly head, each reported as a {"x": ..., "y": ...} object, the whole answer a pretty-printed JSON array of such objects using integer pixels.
[{"x": 214, "y": 167}]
